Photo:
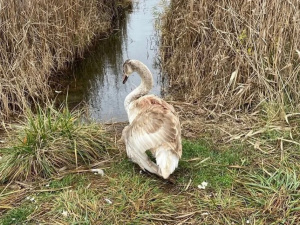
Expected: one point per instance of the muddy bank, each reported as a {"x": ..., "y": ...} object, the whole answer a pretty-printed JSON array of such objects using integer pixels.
[{"x": 39, "y": 38}]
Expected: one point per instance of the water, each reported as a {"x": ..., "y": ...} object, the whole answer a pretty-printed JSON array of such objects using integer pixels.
[{"x": 98, "y": 77}]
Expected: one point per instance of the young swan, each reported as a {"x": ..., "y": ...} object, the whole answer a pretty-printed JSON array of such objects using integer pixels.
[{"x": 154, "y": 125}]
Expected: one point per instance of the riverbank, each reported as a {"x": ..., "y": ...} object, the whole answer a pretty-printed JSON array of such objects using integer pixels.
[
  {"x": 236, "y": 168},
  {"x": 252, "y": 175},
  {"x": 39, "y": 38},
  {"x": 234, "y": 65}
]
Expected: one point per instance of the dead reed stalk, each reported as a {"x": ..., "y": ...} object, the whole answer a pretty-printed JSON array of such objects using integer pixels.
[
  {"x": 38, "y": 37},
  {"x": 233, "y": 55}
]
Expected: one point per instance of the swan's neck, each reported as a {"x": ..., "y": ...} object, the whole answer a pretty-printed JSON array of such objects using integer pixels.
[{"x": 144, "y": 87}]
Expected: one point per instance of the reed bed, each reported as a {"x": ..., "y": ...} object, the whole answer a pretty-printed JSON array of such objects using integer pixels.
[
  {"x": 39, "y": 37},
  {"x": 233, "y": 55},
  {"x": 237, "y": 63},
  {"x": 49, "y": 142}
]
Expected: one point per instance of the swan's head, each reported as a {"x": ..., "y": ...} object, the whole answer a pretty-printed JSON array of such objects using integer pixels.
[{"x": 128, "y": 69}]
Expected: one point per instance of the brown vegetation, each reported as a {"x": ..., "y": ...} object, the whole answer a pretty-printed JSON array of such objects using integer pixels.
[
  {"x": 39, "y": 37},
  {"x": 233, "y": 55},
  {"x": 251, "y": 163}
]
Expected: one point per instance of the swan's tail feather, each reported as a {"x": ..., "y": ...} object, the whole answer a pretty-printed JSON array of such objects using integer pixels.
[{"x": 167, "y": 161}]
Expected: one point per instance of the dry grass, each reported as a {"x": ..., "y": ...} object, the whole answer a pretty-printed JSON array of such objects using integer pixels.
[
  {"x": 247, "y": 184},
  {"x": 49, "y": 142},
  {"x": 233, "y": 55},
  {"x": 238, "y": 192},
  {"x": 38, "y": 37}
]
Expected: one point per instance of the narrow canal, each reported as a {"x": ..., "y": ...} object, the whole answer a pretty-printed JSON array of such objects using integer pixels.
[{"x": 97, "y": 79}]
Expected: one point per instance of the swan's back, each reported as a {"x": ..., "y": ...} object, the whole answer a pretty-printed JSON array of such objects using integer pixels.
[{"x": 154, "y": 125}]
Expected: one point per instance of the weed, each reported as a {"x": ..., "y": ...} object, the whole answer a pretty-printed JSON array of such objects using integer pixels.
[{"x": 276, "y": 193}]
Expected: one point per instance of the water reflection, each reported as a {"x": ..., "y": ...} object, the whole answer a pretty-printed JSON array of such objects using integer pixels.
[{"x": 98, "y": 78}]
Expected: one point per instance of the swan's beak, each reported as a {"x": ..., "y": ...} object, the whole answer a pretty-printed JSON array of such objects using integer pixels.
[{"x": 125, "y": 78}]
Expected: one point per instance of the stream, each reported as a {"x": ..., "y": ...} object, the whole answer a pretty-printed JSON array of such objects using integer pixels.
[{"x": 97, "y": 79}]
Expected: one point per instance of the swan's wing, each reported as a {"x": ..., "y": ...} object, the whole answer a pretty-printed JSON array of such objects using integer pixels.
[
  {"x": 145, "y": 102},
  {"x": 141, "y": 159},
  {"x": 156, "y": 125}
]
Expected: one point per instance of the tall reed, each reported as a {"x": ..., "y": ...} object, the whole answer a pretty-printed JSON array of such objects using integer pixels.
[
  {"x": 38, "y": 37},
  {"x": 233, "y": 55}
]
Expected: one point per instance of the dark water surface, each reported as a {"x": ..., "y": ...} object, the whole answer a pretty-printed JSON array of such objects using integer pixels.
[{"x": 98, "y": 77}]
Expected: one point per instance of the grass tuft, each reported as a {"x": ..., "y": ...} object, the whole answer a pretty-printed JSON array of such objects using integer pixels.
[
  {"x": 17, "y": 215},
  {"x": 49, "y": 141},
  {"x": 277, "y": 193}
]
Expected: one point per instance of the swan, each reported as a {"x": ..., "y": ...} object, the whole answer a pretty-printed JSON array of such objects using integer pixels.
[{"x": 153, "y": 125}]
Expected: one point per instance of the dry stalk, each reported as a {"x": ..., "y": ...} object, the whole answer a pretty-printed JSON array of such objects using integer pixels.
[
  {"x": 232, "y": 55},
  {"x": 38, "y": 37}
]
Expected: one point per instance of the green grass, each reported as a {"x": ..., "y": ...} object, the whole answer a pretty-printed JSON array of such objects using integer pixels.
[
  {"x": 17, "y": 215},
  {"x": 69, "y": 180},
  {"x": 49, "y": 140},
  {"x": 239, "y": 191},
  {"x": 138, "y": 195},
  {"x": 82, "y": 206},
  {"x": 200, "y": 162},
  {"x": 277, "y": 193}
]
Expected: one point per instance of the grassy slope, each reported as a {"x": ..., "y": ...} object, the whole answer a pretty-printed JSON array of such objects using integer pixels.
[{"x": 238, "y": 191}]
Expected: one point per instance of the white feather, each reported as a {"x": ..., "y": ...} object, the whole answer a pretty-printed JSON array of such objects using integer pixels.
[
  {"x": 167, "y": 162},
  {"x": 154, "y": 125}
]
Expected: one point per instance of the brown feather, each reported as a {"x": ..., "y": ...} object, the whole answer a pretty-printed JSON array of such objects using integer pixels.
[{"x": 154, "y": 125}]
